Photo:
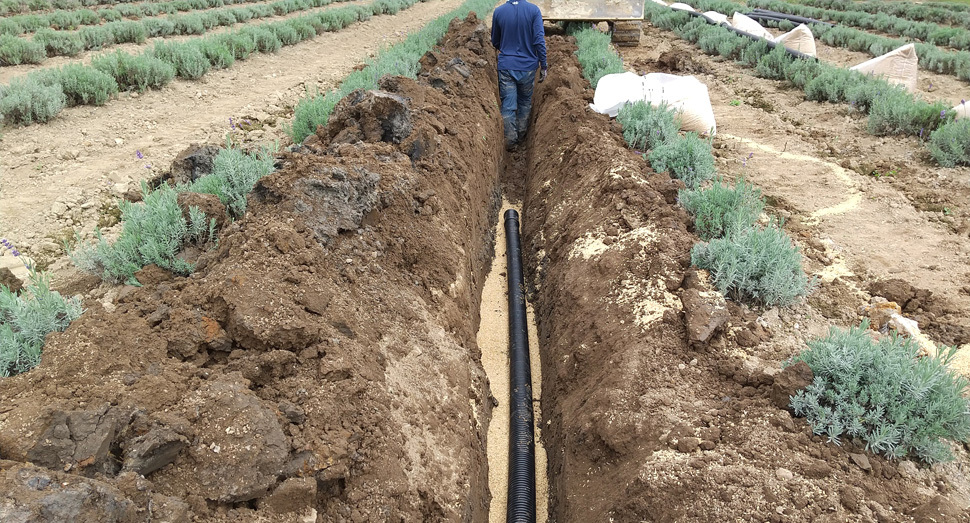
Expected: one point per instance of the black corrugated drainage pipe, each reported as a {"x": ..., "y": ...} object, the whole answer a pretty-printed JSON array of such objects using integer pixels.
[
  {"x": 522, "y": 465},
  {"x": 774, "y": 15},
  {"x": 771, "y": 45}
]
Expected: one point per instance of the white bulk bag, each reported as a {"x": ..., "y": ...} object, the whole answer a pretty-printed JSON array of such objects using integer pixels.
[
  {"x": 717, "y": 17},
  {"x": 961, "y": 110},
  {"x": 615, "y": 90},
  {"x": 798, "y": 39},
  {"x": 686, "y": 94},
  {"x": 682, "y": 7},
  {"x": 898, "y": 67},
  {"x": 748, "y": 25}
]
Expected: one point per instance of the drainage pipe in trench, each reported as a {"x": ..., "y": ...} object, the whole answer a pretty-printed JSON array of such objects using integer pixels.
[{"x": 521, "y": 506}]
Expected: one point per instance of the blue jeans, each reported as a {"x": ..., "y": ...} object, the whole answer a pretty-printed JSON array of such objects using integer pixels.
[{"x": 515, "y": 90}]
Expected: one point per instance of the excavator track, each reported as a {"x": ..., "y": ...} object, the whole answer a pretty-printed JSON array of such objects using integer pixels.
[{"x": 626, "y": 33}]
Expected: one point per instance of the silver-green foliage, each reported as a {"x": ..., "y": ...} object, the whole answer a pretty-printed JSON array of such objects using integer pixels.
[
  {"x": 756, "y": 264},
  {"x": 646, "y": 125},
  {"x": 187, "y": 58},
  {"x": 883, "y": 392},
  {"x": 950, "y": 143},
  {"x": 27, "y": 100},
  {"x": 234, "y": 174},
  {"x": 688, "y": 158},
  {"x": 721, "y": 210},
  {"x": 81, "y": 85},
  {"x": 16, "y": 51},
  {"x": 26, "y": 319},
  {"x": 154, "y": 231},
  {"x": 595, "y": 55},
  {"x": 140, "y": 72}
]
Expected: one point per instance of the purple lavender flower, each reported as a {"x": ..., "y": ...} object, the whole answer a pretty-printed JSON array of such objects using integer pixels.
[
  {"x": 9, "y": 246},
  {"x": 139, "y": 155},
  {"x": 943, "y": 113},
  {"x": 231, "y": 125}
]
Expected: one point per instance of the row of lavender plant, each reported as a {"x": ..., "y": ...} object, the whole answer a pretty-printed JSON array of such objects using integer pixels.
[
  {"x": 74, "y": 18},
  {"x": 48, "y": 43},
  {"x": 43, "y": 94},
  {"x": 891, "y": 109}
]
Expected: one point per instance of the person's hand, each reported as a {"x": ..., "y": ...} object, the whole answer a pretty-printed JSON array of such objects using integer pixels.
[{"x": 542, "y": 74}]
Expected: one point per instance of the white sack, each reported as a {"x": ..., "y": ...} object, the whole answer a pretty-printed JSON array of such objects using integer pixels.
[
  {"x": 661, "y": 2},
  {"x": 898, "y": 67},
  {"x": 686, "y": 94},
  {"x": 682, "y": 7},
  {"x": 615, "y": 90},
  {"x": 748, "y": 25},
  {"x": 717, "y": 17},
  {"x": 799, "y": 39},
  {"x": 962, "y": 111}
]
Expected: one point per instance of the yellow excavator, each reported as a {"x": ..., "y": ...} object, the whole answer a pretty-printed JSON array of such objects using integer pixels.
[{"x": 625, "y": 17}]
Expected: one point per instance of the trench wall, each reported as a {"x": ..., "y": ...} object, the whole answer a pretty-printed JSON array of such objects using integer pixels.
[{"x": 608, "y": 248}]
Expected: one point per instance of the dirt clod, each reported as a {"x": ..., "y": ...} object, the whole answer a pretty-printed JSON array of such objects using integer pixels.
[
  {"x": 192, "y": 163},
  {"x": 77, "y": 439},
  {"x": 789, "y": 381},
  {"x": 10, "y": 281},
  {"x": 154, "y": 450}
]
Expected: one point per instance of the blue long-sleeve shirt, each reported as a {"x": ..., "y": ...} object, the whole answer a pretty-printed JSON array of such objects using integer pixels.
[{"x": 518, "y": 35}]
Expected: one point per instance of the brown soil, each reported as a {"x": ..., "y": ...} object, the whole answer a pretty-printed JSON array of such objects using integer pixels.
[
  {"x": 647, "y": 425},
  {"x": 320, "y": 365}
]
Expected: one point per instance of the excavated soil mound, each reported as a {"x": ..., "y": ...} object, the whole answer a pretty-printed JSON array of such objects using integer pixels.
[
  {"x": 320, "y": 364},
  {"x": 654, "y": 410}
]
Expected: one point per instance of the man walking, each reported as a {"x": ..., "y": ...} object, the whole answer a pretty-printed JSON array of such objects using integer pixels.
[{"x": 518, "y": 35}]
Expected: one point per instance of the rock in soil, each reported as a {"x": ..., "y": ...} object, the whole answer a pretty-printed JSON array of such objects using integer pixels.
[
  {"x": 789, "y": 381},
  {"x": 192, "y": 163}
]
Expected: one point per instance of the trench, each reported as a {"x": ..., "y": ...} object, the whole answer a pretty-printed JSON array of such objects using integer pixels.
[{"x": 493, "y": 340}]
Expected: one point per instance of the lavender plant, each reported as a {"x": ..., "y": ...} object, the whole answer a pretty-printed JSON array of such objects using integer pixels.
[
  {"x": 882, "y": 392},
  {"x": 688, "y": 158},
  {"x": 950, "y": 143},
  {"x": 721, "y": 210},
  {"x": 154, "y": 231},
  {"x": 646, "y": 125},
  {"x": 27, "y": 100},
  {"x": 28, "y": 317},
  {"x": 595, "y": 55},
  {"x": 234, "y": 174},
  {"x": 758, "y": 265}
]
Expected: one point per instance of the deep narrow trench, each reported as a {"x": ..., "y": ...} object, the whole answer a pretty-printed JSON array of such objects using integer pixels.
[{"x": 493, "y": 340}]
